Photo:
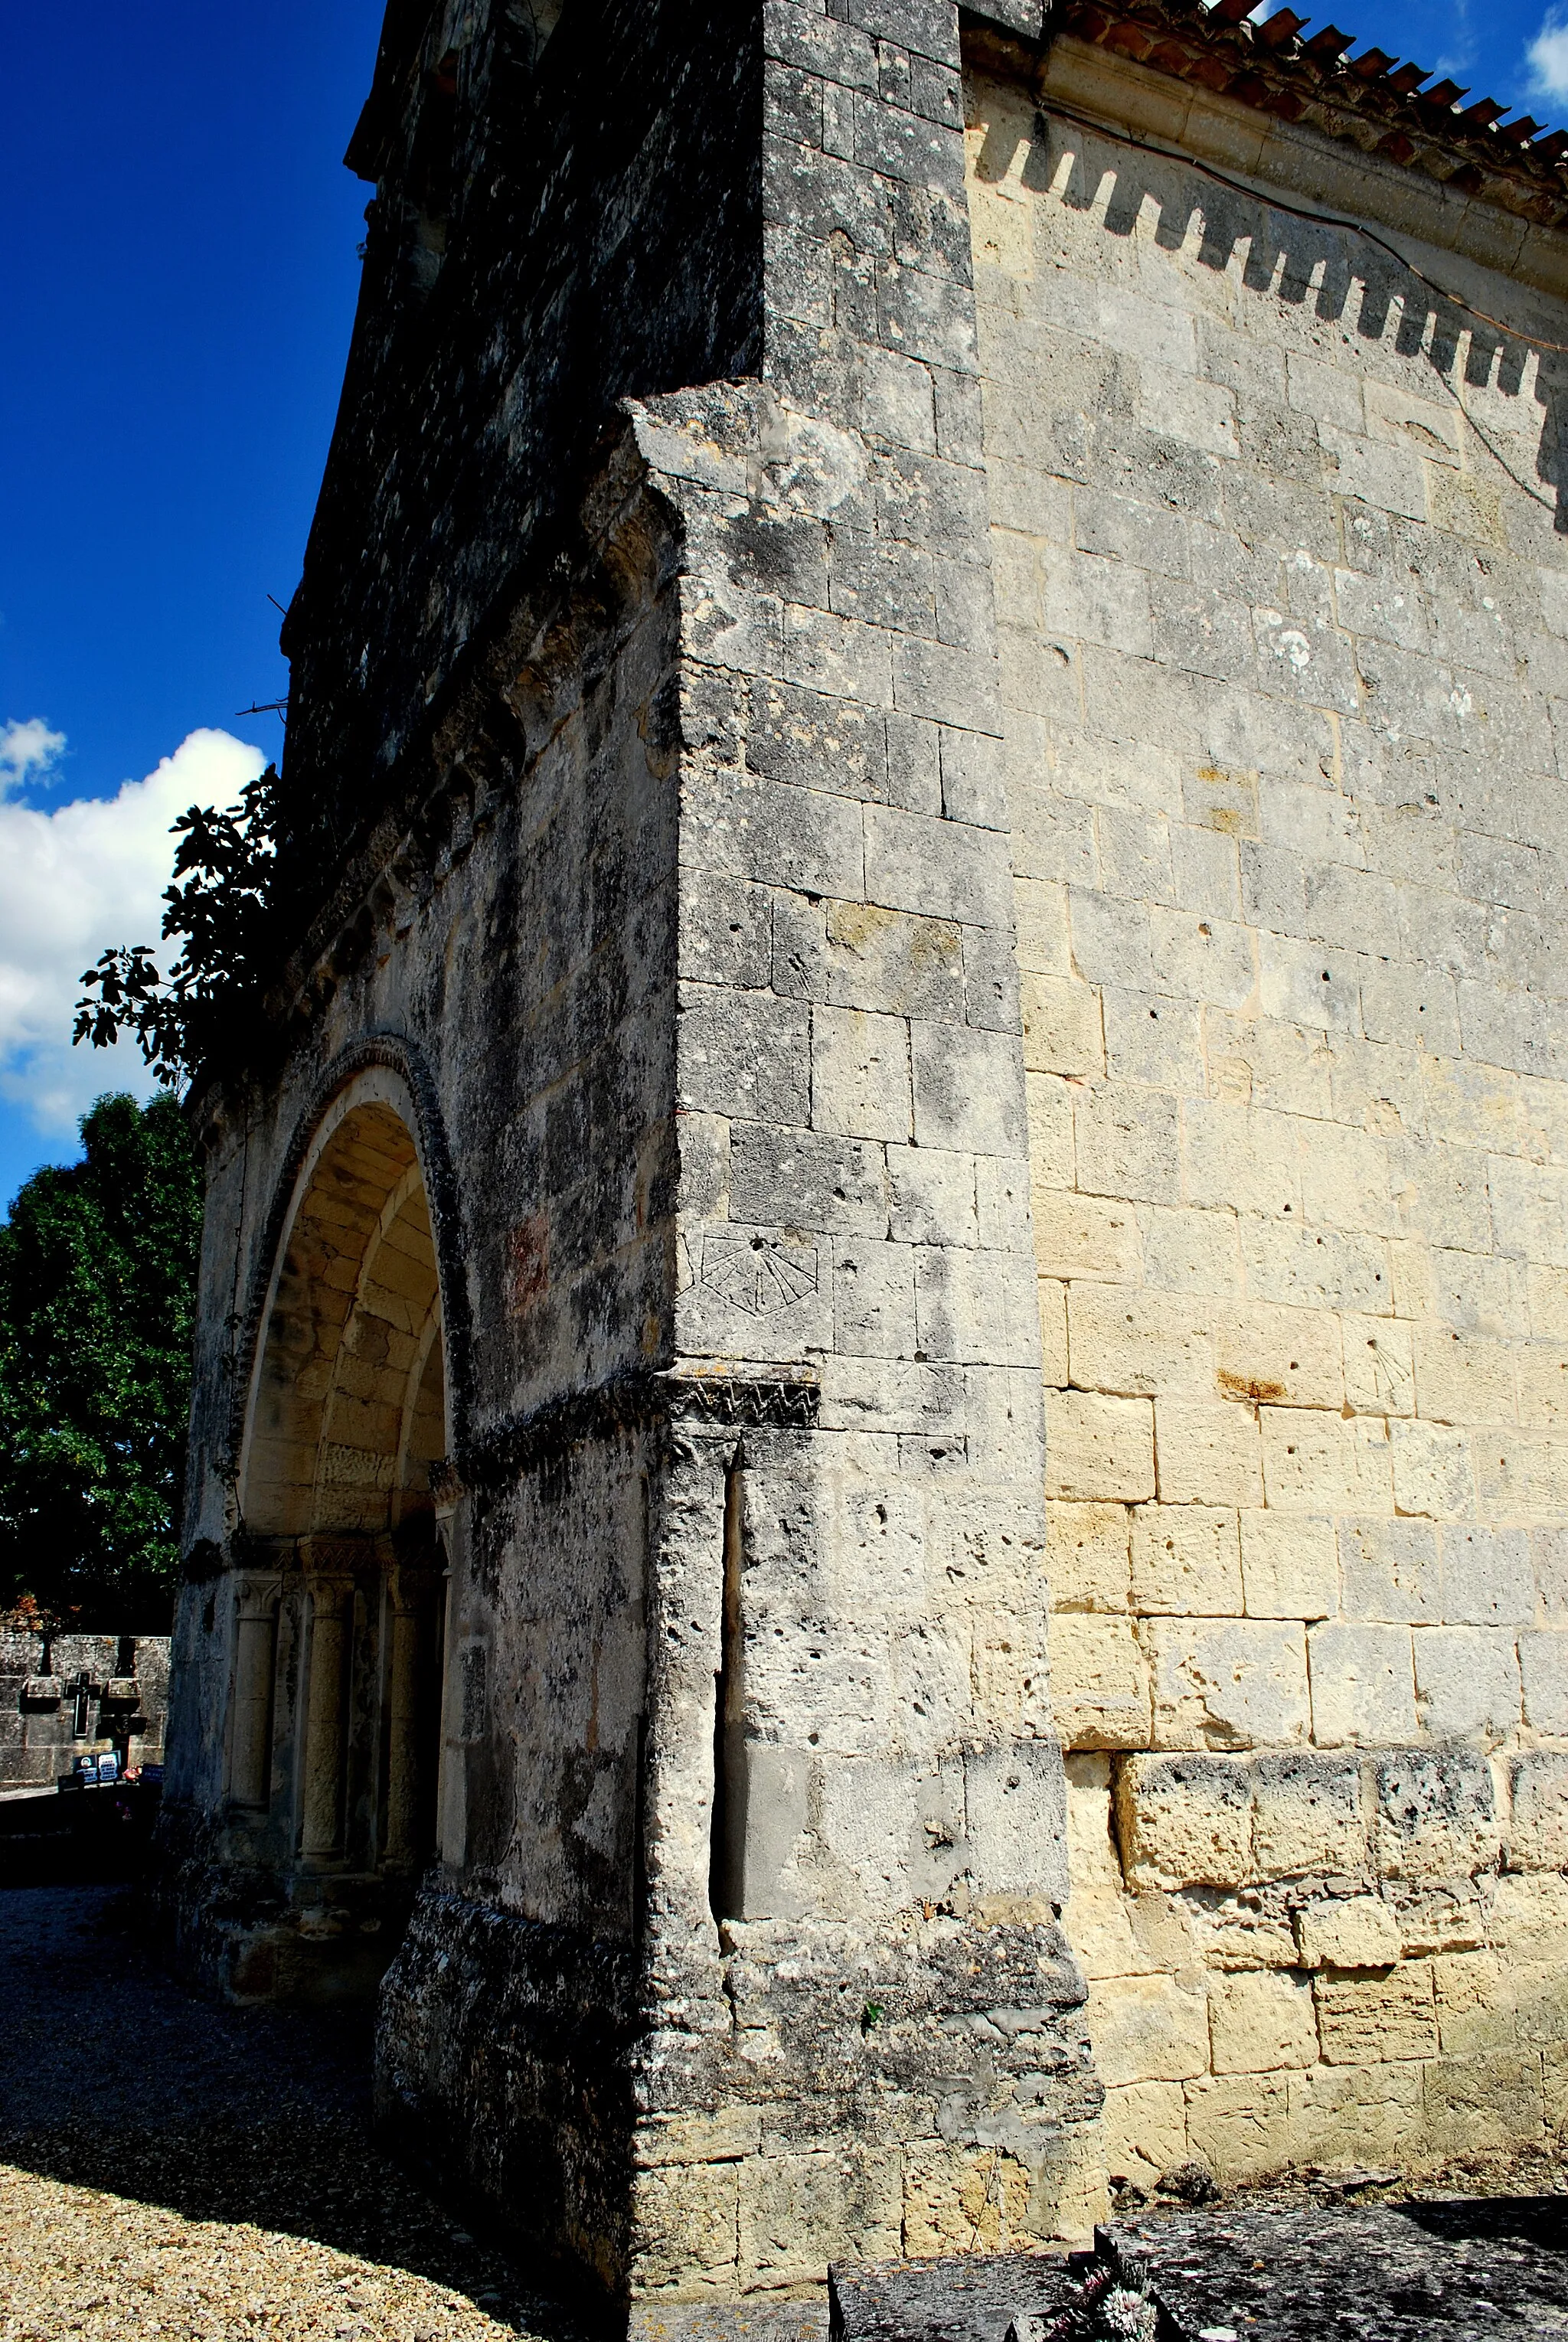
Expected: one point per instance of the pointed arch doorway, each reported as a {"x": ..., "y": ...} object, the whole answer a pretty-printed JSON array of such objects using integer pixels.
[{"x": 333, "y": 1735}]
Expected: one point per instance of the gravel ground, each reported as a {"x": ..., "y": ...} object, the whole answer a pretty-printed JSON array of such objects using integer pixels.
[{"x": 169, "y": 2166}]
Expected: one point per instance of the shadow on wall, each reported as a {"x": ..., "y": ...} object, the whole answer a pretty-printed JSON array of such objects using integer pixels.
[{"x": 1345, "y": 277}]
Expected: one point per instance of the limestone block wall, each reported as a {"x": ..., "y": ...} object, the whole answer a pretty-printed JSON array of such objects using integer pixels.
[
  {"x": 683, "y": 935},
  {"x": 1282, "y": 594}
]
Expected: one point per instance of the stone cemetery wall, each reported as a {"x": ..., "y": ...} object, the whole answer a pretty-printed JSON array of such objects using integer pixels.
[
  {"x": 1283, "y": 601},
  {"x": 67, "y": 1695}
]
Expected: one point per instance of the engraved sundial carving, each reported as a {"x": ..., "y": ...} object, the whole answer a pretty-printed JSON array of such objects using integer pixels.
[{"x": 757, "y": 1274}]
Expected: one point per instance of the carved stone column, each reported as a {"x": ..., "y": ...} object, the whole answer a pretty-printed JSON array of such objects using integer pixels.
[
  {"x": 331, "y": 1613},
  {"x": 255, "y": 1662}
]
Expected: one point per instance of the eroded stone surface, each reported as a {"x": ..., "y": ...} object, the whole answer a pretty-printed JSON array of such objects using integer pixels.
[
  {"x": 1466, "y": 2268},
  {"x": 1469, "y": 2268}
]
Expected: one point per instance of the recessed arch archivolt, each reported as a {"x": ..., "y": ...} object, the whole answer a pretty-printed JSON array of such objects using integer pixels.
[
  {"x": 334, "y": 1742},
  {"x": 346, "y": 1407}
]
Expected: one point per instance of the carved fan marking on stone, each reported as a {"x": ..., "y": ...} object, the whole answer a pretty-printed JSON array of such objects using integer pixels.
[{"x": 757, "y": 1274}]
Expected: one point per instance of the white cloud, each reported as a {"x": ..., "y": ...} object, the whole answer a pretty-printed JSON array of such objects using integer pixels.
[
  {"x": 26, "y": 753},
  {"x": 73, "y": 881},
  {"x": 1547, "y": 57}
]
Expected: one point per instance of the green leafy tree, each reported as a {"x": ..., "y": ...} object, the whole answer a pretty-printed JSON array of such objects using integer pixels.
[
  {"x": 229, "y": 916},
  {"x": 97, "y": 1284}
]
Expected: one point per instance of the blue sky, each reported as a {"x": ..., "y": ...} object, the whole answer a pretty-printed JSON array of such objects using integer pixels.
[
  {"x": 177, "y": 282},
  {"x": 1486, "y": 45},
  {"x": 176, "y": 286}
]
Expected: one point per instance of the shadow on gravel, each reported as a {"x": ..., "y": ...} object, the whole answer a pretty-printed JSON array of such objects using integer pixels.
[{"x": 113, "y": 2076}]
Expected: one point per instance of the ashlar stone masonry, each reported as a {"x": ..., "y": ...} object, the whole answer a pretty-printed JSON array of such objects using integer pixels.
[
  {"x": 922, "y": 768},
  {"x": 1283, "y": 600}
]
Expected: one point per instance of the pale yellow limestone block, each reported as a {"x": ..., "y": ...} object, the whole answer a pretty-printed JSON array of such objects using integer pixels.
[
  {"x": 1099, "y": 1682},
  {"x": 1238, "y": 2124},
  {"x": 1186, "y": 1561},
  {"x": 1100, "y": 1923},
  {"x": 1543, "y": 1368},
  {"x": 1367, "y": 2020},
  {"x": 1345, "y": 1181},
  {"x": 1052, "y": 1295},
  {"x": 798, "y": 2211},
  {"x": 1050, "y": 1107},
  {"x": 1538, "y": 1827},
  {"x": 1379, "y": 1365},
  {"x": 1087, "y": 1558},
  {"x": 1239, "y": 1158},
  {"x": 1479, "y": 2104},
  {"x": 1184, "y": 1821},
  {"x": 1446, "y": 1917},
  {"x": 1148, "y": 2029},
  {"x": 1208, "y": 1454},
  {"x": 1537, "y": 1994},
  {"x": 1320, "y": 1462},
  {"x": 1432, "y": 1468},
  {"x": 1474, "y": 2001},
  {"x": 686, "y": 2228},
  {"x": 1098, "y": 1448},
  {"x": 724, "y": 2136},
  {"x": 1145, "y": 2125},
  {"x": 1092, "y": 1858},
  {"x": 1290, "y": 1565},
  {"x": 1554, "y": 2091},
  {"x": 1356, "y": 2115},
  {"x": 1084, "y": 1235},
  {"x": 1061, "y": 1027},
  {"x": 1547, "y": 1287},
  {"x": 1276, "y": 1356},
  {"x": 1529, "y": 1917},
  {"x": 962, "y": 2200},
  {"x": 1461, "y": 1377},
  {"x": 1260, "y": 2022},
  {"x": 1239, "y": 1931},
  {"x": 1069, "y": 2194},
  {"x": 1361, "y": 1932},
  {"x": 1307, "y": 1819},
  {"x": 1362, "y": 1685},
  {"x": 1139, "y": 1344},
  {"x": 1228, "y": 1683}
]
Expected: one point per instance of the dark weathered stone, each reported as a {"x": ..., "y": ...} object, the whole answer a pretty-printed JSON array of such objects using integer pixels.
[
  {"x": 1467, "y": 2268},
  {"x": 973, "y": 2300},
  {"x": 1470, "y": 2268}
]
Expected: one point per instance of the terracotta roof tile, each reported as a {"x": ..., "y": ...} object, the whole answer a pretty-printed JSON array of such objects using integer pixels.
[{"x": 1281, "y": 69}]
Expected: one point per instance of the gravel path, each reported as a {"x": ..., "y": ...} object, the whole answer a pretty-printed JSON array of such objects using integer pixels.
[{"x": 172, "y": 2167}]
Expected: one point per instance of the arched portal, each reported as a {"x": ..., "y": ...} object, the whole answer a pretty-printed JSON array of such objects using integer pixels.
[{"x": 335, "y": 1724}]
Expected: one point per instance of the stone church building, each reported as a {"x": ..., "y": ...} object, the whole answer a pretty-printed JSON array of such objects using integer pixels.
[{"x": 879, "y": 1509}]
